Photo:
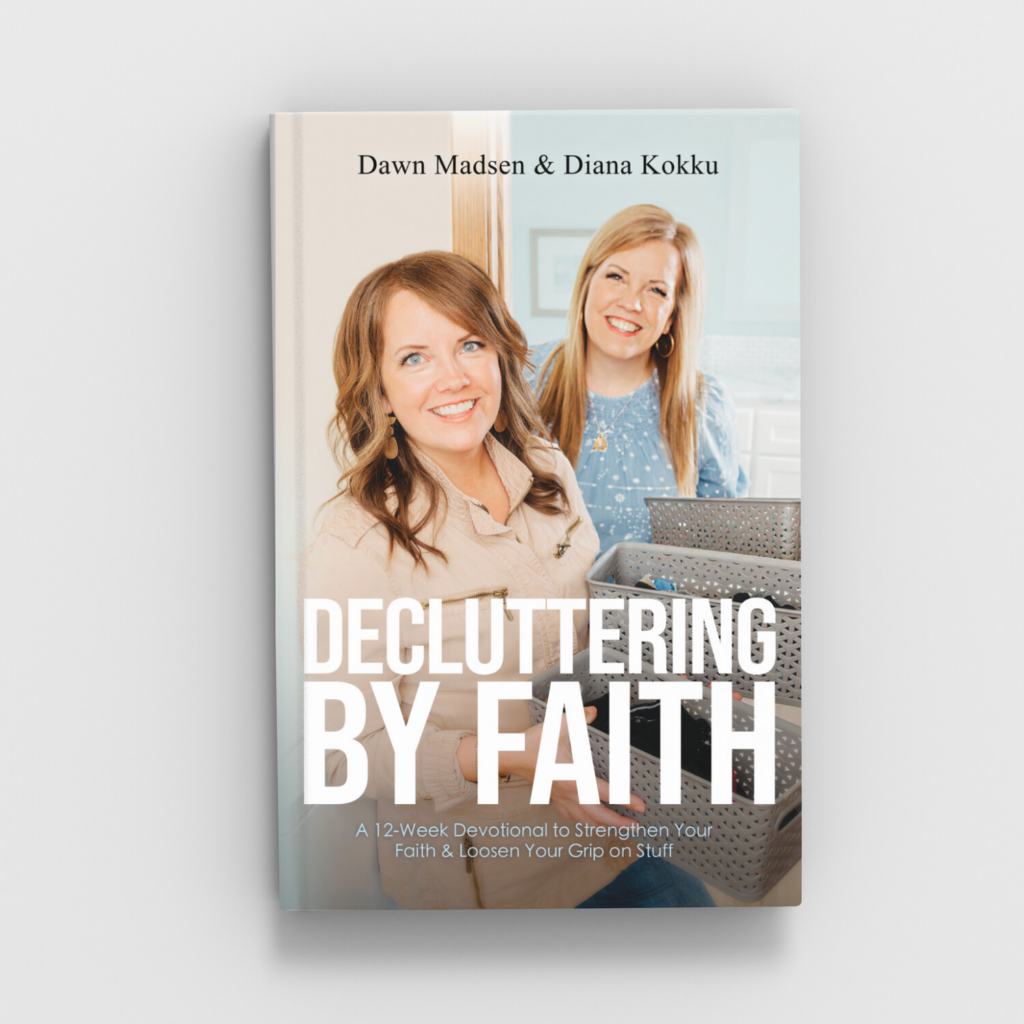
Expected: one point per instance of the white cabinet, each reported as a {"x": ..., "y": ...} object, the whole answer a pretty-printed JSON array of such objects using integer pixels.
[
  {"x": 769, "y": 441},
  {"x": 775, "y": 476},
  {"x": 778, "y": 432},
  {"x": 745, "y": 429}
]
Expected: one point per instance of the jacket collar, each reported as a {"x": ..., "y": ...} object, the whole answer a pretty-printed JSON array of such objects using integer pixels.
[{"x": 468, "y": 512}]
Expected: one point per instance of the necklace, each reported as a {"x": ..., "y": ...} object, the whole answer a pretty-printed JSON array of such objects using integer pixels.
[{"x": 601, "y": 441}]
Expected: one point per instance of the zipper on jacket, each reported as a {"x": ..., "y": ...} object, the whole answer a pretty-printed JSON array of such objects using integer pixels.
[
  {"x": 565, "y": 543},
  {"x": 471, "y": 871},
  {"x": 499, "y": 592}
]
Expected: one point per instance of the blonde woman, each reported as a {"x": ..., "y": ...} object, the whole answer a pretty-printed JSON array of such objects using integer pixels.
[
  {"x": 622, "y": 393},
  {"x": 448, "y": 493}
]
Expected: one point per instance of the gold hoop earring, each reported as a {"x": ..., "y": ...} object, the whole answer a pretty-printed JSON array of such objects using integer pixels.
[
  {"x": 671, "y": 347},
  {"x": 391, "y": 448},
  {"x": 500, "y": 423}
]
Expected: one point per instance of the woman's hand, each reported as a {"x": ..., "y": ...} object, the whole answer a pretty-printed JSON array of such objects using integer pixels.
[{"x": 564, "y": 795}]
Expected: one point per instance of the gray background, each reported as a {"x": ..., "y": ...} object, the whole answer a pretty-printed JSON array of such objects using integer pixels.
[{"x": 137, "y": 726}]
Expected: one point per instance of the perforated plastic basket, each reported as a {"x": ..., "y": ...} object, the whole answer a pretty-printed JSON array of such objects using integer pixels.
[
  {"x": 714, "y": 575},
  {"x": 745, "y": 526},
  {"x": 749, "y": 846}
]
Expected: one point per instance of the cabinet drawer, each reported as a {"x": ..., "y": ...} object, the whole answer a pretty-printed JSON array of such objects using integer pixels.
[
  {"x": 745, "y": 429},
  {"x": 776, "y": 476},
  {"x": 778, "y": 433}
]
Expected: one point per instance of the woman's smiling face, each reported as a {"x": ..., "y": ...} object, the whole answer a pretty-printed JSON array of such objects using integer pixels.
[
  {"x": 442, "y": 382},
  {"x": 632, "y": 299}
]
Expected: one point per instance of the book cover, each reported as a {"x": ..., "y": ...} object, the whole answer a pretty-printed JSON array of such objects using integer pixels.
[{"x": 537, "y": 481}]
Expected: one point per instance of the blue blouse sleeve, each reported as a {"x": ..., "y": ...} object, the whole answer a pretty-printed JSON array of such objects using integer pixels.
[{"x": 720, "y": 472}]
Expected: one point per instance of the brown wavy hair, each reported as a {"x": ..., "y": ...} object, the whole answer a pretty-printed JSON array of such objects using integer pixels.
[
  {"x": 461, "y": 291},
  {"x": 562, "y": 381}
]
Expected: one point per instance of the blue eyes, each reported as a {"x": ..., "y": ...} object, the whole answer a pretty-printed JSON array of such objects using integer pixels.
[
  {"x": 618, "y": 277},
  {"x": 416, "y": 358}
]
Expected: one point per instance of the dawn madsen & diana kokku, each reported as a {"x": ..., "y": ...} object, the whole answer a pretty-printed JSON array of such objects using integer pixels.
[{"x": 647, "y": 163}]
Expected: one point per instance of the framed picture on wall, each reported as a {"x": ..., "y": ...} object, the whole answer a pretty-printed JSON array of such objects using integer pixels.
[{"x": 555, "y": 255}]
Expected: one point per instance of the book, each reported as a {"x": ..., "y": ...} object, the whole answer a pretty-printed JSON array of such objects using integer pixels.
[{"x": 536, "y": 428}]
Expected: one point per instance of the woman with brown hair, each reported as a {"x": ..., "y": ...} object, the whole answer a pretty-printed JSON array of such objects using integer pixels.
[
  {"x": 622, "y": 393},
  {"x": 448, "y": 496}
]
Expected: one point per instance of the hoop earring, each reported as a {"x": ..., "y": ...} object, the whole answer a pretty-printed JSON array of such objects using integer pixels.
[
  {"x": 671, "y": 347},
  {"x": 391, "y": 448},
  {"x": 500, "y": 423}
]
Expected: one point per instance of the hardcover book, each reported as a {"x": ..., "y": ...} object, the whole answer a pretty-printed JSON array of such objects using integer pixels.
[{"x": 537, "y": 490}]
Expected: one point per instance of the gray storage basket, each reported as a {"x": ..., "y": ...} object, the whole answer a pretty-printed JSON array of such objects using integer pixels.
[
  {"x": 745, "y": 526},
  {"x": 714, "y": 575},
  {"x": 750, "y": 846}
]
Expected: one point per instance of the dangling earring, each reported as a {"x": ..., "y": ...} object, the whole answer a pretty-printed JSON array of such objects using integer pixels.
[
  {"x": 391, "y": 448},
  {"x": 671, "y": 347},
  {"x": 500, "y": 423}
]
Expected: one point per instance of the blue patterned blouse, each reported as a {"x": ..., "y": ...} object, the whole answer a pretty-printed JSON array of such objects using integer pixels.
[{"x": 636, "y": 464}]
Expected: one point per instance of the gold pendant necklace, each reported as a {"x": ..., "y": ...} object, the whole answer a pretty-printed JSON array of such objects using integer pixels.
[{"x": 601, "y": 441}]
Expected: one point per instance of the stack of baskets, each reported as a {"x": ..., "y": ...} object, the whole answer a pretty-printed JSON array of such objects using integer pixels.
[
  {"x": 715, "y": 549},
  {"x": 743, "y": 526},
  {"x": 748, "y": 847}
]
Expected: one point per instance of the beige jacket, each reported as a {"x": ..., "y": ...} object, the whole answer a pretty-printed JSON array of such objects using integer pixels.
[{"x": 349, "y": 559}]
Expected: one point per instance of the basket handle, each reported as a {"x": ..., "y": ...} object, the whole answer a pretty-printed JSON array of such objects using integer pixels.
[{"x": 789, "y": 817}]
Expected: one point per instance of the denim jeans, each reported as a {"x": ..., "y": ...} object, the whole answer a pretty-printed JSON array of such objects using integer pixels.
[{"x": 651, "y": 882}]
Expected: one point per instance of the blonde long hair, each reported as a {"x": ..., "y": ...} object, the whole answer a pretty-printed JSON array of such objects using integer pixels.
[
  {"x": 563, "y": 378},
  {"x": 461, "y": 291}
]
